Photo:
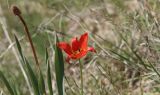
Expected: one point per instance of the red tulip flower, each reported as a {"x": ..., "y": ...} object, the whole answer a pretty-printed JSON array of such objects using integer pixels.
[{"x": 77, "y": 49}]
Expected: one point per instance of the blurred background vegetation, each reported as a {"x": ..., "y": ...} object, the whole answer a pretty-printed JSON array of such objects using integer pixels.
[{"x": 125, "y": 33}]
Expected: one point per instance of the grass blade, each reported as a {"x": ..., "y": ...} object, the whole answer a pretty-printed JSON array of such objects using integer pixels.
[
  {"x": 28, "y": 69},
  {"x": 33, "y": 78},
  {"x": 42, "y": 84},
  {"x": 154, "y": 69},
  {"x": 59, "y": 68},
  {"x": 24, "y": 71},
  {"x": 49, "y": 78},
  {"x": 19, "y": 48},
  {"x": 8, "y": 85}
]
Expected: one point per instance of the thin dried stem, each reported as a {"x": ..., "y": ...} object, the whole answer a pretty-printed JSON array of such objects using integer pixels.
[
  {"x": 4, "y": 27},
  {"x": 17, "y": 12}
]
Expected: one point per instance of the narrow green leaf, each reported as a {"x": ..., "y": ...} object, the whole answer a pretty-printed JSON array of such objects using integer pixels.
[
  {"x": 8, "y": 85},
  {"x": 33, "y": 78},
  {"x": 46, "y": 56},
  {"x": 155, "y": 70},
  {"x": 41, "y": 83},
  {"x": 49, "y": 78},
  {"x": 59, "y": 68},
  {"x": 146, "y": 66},
  {"x": 15, "y": 89},
  {"x": 19, "y": 48},
  {"x": 28, "y": 69}
]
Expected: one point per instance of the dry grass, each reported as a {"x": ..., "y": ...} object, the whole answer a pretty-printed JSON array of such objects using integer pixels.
[{"x": 125, "y": 33}]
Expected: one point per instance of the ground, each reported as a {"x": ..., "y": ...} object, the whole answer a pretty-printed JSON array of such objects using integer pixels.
[{"x": 125, "y": 34}]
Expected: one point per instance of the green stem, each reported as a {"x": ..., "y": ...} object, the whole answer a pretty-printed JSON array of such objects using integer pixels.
[{"x": 81, "y": 75}]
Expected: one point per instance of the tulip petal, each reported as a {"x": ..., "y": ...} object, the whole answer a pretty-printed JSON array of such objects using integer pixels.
[
  {"x": 91, "y": 49},
  {"x": 75, "y": 44},
  {"x": 79, "y": 55},
  {"x": 66, "y": 47},
  {"x": 68, "y": 60},
  {"x": 84, "y": 41}
]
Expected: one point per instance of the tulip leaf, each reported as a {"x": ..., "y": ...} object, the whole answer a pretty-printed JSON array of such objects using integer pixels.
[
  {"x": 8, "y": 85},
  {"x": 33, "y": 78},
  {"x": 42, "y": 83},
  {"x": 19, "y": 48},
  {"x": 49, "y": 78},
  {"x": 29, "y": 71},
  {"x": 59, "y": 68},
  {"x": 46, "y": 56}
]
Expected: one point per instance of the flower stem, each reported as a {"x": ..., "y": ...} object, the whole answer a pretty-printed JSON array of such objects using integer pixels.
[
  {"x": 81, "y": 75},
  {"x": 17, "y": 12}
]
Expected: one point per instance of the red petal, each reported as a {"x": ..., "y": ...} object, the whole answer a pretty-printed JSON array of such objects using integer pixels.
[
  {"x": 75, "y": 44},
  {"x": 84, "y": 41},
  {"x": 68, "y": 59},
  {"x": 91, "y": 49},
  {"x": 79, "y": 55},
  {"x": 66, "y": 47}
]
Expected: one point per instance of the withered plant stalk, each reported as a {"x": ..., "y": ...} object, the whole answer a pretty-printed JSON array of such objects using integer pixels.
[{"x": 17, "y": 12}]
